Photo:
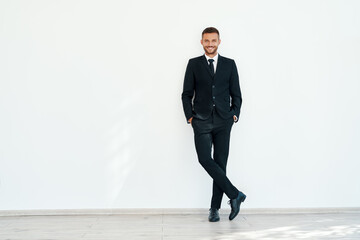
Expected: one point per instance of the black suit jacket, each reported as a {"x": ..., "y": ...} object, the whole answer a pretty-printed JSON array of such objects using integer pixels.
[{"x": 221, "y": 91}]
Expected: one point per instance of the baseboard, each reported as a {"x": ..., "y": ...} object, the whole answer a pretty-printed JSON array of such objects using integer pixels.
[{"x": 114, "y": 211}]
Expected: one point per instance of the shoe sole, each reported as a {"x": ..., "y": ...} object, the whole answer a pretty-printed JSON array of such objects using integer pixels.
[{"x": 215, "y": 220}]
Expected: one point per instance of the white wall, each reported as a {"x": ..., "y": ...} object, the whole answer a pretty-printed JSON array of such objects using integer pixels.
[{"x": 91, "y": 116}]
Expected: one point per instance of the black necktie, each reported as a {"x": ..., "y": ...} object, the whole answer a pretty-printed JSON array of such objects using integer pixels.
[{"x": 211, "y": 66}]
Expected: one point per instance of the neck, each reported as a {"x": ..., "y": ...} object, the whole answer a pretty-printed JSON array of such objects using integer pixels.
[{"x": 211, "y": 55}]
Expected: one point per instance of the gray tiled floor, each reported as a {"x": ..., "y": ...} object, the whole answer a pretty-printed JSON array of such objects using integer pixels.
[{"x": 182, "y": 226}]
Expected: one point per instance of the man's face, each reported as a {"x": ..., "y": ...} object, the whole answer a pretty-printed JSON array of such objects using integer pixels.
[{"x": 210, "y": 42}]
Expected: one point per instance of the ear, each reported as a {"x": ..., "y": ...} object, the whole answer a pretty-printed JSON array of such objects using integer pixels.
[
  {"x": 201, "y": 41},
  {"x": 219, "y": 41}
]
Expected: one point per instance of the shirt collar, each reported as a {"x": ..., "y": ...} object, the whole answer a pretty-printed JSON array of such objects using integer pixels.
[{"x": 215, "y": 58}]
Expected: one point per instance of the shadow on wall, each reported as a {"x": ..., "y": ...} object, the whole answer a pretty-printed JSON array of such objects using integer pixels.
[{"x": 123, "y": 137}]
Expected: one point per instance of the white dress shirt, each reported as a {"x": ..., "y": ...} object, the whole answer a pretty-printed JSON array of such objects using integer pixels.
[{"x": 215, "y": 60}]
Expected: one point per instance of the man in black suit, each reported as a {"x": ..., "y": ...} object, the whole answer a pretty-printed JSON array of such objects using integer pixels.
[{"x": 214, "y": 81}]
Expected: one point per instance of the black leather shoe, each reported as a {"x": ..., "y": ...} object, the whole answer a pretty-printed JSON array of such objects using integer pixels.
[
  {"x": 214, "y": 215},
  {"x": 235, "y": 205}
]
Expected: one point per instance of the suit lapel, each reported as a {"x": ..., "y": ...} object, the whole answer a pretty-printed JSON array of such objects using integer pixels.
[
  {"x": 218, "y": 66},
  {"x": 206, "y": 65}
]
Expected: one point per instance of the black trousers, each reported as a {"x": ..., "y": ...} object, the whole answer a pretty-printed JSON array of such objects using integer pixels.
[{"x": 215, "y": 132}]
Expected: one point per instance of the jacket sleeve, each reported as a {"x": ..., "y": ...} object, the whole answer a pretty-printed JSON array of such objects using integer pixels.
[
  {"x": 235, "y": 91},
  {"x": 188, "y": 91}
]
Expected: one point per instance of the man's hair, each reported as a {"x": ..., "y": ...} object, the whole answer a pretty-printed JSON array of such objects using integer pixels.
[{"x": 210, "y": 30}]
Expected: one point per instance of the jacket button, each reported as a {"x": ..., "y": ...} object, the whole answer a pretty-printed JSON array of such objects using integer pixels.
[{"x": 213, "y": 97}]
